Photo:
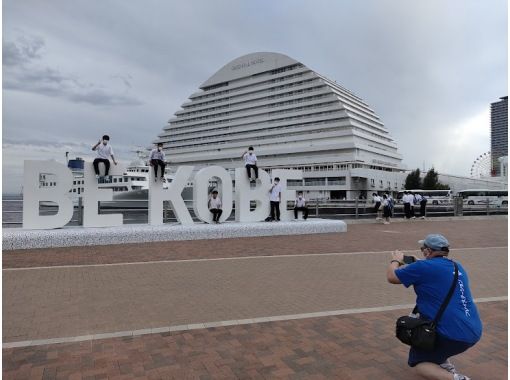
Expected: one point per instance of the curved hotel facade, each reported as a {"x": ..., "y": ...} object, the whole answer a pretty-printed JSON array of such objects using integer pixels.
[{"x": 294, "y": 118}]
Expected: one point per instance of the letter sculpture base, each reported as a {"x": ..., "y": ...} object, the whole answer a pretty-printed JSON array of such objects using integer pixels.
[{"x": 140, "y": 233}]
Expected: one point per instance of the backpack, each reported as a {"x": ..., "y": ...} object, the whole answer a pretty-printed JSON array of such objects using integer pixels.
[{"x": 415, "y": 201}]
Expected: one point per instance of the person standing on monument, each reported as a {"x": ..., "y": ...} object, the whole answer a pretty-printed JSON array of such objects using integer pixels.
[{"x": 275, "y": 196}]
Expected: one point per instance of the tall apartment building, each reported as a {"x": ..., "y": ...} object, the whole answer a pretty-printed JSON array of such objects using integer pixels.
[
  {"x": 499, "y": 133},
  {"x": 295, "y": 118}
]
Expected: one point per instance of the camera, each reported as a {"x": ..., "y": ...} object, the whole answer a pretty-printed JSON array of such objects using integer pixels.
[{"x": 409, "y": 259}]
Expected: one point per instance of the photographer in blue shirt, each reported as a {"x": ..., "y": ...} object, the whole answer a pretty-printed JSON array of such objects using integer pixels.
[{"x": 459, "y": 327}]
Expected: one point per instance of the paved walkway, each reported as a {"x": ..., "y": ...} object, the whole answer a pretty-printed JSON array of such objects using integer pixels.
[
  {"x": 359, "y": 238},
  {"x": 72, "y": 294}
]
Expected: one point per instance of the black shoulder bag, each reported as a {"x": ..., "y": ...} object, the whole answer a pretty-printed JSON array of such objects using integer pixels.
[{"x": 420, "y": 332}]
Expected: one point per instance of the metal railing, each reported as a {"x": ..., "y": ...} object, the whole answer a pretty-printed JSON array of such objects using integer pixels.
[{"x": 136, "y": 211}]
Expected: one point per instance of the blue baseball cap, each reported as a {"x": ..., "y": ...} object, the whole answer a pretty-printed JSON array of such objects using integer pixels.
[{"x": 435, "y": 241}]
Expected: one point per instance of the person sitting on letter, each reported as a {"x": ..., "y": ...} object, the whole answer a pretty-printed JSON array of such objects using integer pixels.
[
  {"x": 104, "y": 151},
  {"x": 250, "y": 162},
  {"x": 157, "y": 158},
  {"x": 300, "y": 205},
  {"x": 214, "y": 206}
]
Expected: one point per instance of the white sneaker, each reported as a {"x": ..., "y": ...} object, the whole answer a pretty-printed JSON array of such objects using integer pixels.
[
  {"x": 458, "y": 376},
  {"x": 447, "y": 365}
]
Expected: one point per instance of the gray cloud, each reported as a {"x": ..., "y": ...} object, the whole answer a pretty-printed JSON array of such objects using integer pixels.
[
  {"x": 23, "y": 51},
  {"x": 21, "y": 73}
]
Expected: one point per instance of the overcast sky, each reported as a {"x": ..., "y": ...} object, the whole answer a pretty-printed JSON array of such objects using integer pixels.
[{"x": 74, "y": 70}]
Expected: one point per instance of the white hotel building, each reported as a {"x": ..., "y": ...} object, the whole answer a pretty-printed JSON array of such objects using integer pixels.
[{"x": 294, "y": 118}]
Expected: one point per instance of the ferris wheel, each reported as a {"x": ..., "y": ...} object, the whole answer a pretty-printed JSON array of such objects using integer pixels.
[{"x": 481, "y": 166}]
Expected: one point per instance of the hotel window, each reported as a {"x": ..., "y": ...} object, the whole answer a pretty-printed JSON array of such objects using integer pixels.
[
  {"x": 336, "y": 180},
  {"x": 294, "y": 182}
]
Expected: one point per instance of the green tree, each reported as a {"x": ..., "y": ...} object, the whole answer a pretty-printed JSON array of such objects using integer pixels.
[
  {"x": 413, "y": 180},
  {"x": 431, "y": 182}
]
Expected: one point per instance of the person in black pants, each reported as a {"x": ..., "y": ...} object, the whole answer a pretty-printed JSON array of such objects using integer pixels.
[
  {"x": 423, "y": 205},
  {"x": 300, "y": 205},
  {"x": 275, "y": 196},
  {"x": 377, "y": 207},
  {"x": 157, "y": 158},
  {"x": 250, "y": 162},
  {"x": 214, "y": 205},
  {"x": 104, "y": 152},
  {"x": 407, "y": 199}
]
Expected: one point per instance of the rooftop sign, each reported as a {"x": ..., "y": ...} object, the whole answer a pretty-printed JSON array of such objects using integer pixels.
[{"x": 248, "y": 64}]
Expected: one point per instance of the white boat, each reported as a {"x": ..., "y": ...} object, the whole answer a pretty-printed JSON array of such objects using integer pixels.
[{"x": 130, "y": 190}]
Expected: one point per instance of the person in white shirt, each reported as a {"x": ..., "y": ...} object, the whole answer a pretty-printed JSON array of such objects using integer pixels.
[
  {"x": 377, "y": 208},
  {"x": 391, "y": 203},
  {"x": 386, "y": 206},
  {"x": 407, "y": 199},
  {"x": 250, "y": 162},
  {"x": 417, "y": 198},
  {"x": 275, "y": 196},
  {"x": 412, "y": 202},
  {"x": 300, "y": 205},
  {"x": 215, "y": 206},
  {"x": 157, "y": 158},
  {"x": 104, "y": 152},
  {"x": 423, "y": 205}
]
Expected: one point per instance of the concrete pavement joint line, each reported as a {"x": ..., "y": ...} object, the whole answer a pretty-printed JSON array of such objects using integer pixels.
[
  {"x": 228, "y": 258},
  {"x": 194, "y": 326}
]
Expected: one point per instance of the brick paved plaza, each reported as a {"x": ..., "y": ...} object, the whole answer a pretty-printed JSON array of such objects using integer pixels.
[{"x": 160, "y": 298}]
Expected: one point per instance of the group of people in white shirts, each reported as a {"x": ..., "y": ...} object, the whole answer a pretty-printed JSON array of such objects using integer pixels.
[
  {"x": 410, "y": 200},
  {"x": 105, "y": 151},
  {"x": 275, "y": 193},
  {"x": 384, "y": 205},
  {"x": 157, "y": 160}
]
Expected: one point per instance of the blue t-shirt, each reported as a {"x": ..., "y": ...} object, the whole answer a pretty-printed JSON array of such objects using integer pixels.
[{"x": 432, "y": 279}]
